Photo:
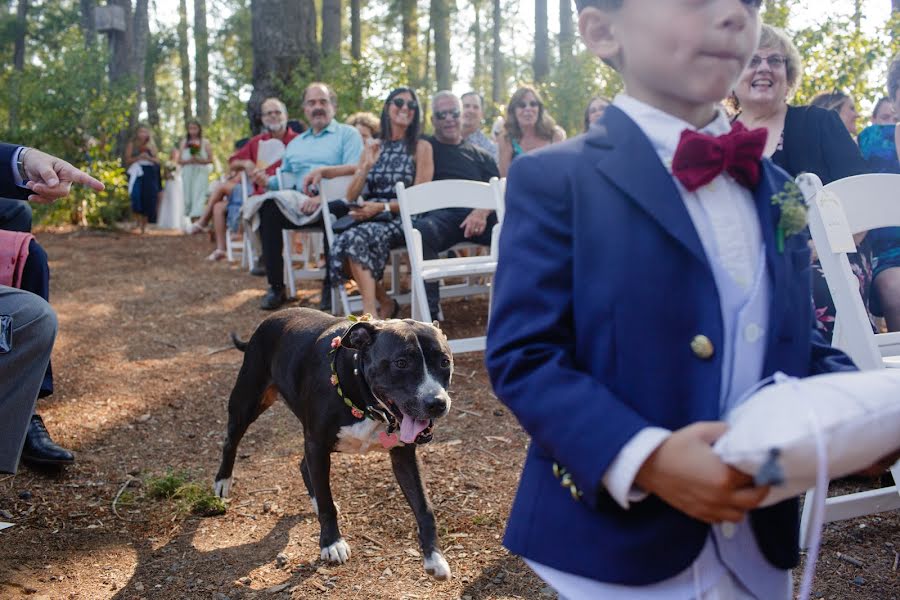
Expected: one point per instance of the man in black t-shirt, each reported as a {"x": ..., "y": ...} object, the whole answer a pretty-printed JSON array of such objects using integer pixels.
[{"x": 454, "y": 158}]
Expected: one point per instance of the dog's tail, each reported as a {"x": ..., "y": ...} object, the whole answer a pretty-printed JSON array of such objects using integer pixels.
[{"x": 242, "y": 346}]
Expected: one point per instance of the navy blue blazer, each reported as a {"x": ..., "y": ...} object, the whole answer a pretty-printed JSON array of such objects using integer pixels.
[
  {"x": 8, "y": 187},
  {"x": 601, "y": 286}
]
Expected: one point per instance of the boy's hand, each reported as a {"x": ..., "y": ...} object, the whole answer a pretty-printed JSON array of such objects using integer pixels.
[{"x": 686, "y": 473}]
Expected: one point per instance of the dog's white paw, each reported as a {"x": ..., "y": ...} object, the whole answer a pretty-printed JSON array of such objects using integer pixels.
[
  {"x": 436, "y": 566},
  {"x": 338, "y": 552},
  {"x": 315, "y": 505},
  {"x": 223, "y": 487}
]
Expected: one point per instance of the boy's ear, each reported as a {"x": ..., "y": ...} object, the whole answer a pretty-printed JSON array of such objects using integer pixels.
[{"x": 597, "y": 32}]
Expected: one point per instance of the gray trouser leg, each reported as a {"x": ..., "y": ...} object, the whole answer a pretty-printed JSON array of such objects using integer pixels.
[{"x": 22, "y": 369}]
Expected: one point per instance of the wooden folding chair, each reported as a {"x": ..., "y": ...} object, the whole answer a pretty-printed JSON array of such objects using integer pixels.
[
  {"x": 436, "y": 195},
  {"x": 837, "y": 212}
]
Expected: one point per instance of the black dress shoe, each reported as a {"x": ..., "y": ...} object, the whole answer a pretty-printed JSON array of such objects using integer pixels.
[
  {"x": 273, "y": 299},
  {"x": 40, "y": 449},
  {"x": 258, "y": 271}
]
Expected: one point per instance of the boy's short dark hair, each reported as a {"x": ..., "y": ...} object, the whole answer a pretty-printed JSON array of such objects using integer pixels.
[{"x": 601, "y": 4}]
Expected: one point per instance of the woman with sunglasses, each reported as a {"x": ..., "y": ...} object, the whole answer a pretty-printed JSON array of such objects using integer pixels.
[
  {"x": 802, "y": 139},
  {"x": 397, "y": 154},
  {"x": 528, "y": 127}
]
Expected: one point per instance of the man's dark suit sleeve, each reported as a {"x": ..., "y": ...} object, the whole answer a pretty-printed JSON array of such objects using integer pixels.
[{"x": 8, "y": 187}]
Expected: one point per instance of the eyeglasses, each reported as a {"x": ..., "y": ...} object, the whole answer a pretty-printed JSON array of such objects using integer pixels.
[
  {"x": 410, "y": 104},
  {"x": 440, "y": 115},
  {"x": 271, "y": 113},
  {"x": 530, "y": 104},
  {"x": 774, "y": 61}
]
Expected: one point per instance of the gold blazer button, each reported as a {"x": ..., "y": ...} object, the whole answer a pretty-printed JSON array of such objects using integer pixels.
[{"x": 702, "y": 347}]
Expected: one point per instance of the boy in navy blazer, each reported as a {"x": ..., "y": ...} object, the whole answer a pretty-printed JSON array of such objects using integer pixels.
[{"x": 646, "y": 283}]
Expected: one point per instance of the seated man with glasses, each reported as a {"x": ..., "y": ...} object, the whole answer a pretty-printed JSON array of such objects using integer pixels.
[
  {"x": 454, "y": 158},
  {"x": 326, "y": 143}
]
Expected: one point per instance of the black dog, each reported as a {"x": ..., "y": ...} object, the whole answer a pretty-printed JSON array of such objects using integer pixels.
[{"x": 352, "y": 386}]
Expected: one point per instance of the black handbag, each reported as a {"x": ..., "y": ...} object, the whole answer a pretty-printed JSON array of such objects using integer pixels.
[{"x": 347, "y": 221}]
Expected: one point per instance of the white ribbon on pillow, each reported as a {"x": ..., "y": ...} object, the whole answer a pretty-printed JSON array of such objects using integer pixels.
[{"x": 856, "y": 413}]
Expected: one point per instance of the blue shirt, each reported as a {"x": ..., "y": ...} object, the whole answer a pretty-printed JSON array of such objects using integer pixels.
[{"x": 337, "y": 144}]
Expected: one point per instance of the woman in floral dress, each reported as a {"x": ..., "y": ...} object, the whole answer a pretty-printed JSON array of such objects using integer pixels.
[{"x": 397, "y": 155}]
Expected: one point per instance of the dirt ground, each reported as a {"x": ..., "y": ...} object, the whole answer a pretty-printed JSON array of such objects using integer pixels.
[{"x": 143, "y": 373}]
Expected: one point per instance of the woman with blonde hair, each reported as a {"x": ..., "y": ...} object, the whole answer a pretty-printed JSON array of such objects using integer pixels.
[
  {"x": 527, "y": 127},
  {"x": 144, "y": 181},
  {"x": 366, "y": 123},
  {"x": 801, "y": 139}
]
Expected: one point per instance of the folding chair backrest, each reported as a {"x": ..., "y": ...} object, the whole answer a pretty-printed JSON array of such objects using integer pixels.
[
  {"x": 866, "y": 202},
  {"x": 286, "y": 180},
  {"x": 447, "y": 193},
  {"x": 332, "y": 189},
  {"x": 499, "y": 186}
]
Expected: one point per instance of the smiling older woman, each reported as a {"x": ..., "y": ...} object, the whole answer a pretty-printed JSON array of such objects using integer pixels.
[{"x": 802, "y": 139}]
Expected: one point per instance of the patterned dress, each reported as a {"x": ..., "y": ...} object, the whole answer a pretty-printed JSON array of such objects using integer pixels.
[
  {"x": 370, "y": 243},
  {"x": 879, "y": 150}
]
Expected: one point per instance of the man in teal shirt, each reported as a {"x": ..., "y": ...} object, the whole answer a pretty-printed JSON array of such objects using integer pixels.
[{"x": 325, "y": 143}]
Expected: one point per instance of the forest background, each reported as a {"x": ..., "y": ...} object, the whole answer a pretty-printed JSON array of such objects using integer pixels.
[{"x": 78, "y": 75}]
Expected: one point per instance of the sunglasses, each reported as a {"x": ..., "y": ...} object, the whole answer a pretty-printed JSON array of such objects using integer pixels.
[
  {"x": 774, "y": 61},
  {"x": 529, "y": 104},
  {"x": 443, "y": 114},
  {"x": 410, "y": 104}
]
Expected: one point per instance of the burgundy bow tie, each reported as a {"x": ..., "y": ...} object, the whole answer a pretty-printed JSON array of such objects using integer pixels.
[{"x": 700, "y": 158}]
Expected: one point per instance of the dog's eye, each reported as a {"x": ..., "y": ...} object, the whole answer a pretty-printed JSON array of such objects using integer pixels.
[
  {"x": 445, "y": 363},
  {"x": 401, "y": 363}
]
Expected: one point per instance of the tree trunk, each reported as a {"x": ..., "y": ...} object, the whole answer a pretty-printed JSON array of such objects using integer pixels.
[
  {"x": 284, "y": 37},
  {"x": 150, "y": 93},
  {"x": 184, "y": 60},
  {"x": 88, "y": 27},
  {"x": 409, "y": 20},
  {"x": 440, "y": 23},
  {"x": 18, "y": 65},
  {"x": 120, "y": 56},
  {"x": 141, "y": 29},
  {"x": 201, "y": 62},
  {"x": 478, "y": 43},
  {"x": 566, "y": 31},
  {"x": 356, "y": 30},
  {"x": 541, "y": 41},
  {"x": 497, "y": 78},
  {"x": 331, "y": 27}
]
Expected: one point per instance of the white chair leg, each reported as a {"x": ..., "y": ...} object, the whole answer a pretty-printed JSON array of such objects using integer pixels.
[{"x": 287, "y": 253}]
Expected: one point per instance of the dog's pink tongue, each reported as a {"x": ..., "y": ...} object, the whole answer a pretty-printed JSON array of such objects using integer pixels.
[{"x": 410, "y": 428}]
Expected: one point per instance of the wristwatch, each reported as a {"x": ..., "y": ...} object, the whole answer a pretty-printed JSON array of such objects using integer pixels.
[
  {"x": 387, "y": 207},
  {"x": 20, "y": 164}
]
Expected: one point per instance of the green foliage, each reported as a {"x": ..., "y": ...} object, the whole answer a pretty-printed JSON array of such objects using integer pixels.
[
  {"x": 838, "y": 57},
  {"x": 189, "y": 496},
  {"x": 571, "y": 86},
  {"x": 163, "y": 487},
  {"x": 360, "y": 85},
  {"x": 777, "y": 12},
  {"x": 67, "y": 107}
]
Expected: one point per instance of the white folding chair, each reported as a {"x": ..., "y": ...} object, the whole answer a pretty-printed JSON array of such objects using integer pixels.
[
  {"x": 312, "y": 245},
  {"x": 436, "y": 195},
  {"x": 236, "y": 242},
  {"x": 837, "y": 212}
]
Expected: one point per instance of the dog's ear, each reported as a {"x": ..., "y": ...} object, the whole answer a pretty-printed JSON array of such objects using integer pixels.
[
  {"x": 360, "y": 335},
  {"x": 436, "y": 324}
]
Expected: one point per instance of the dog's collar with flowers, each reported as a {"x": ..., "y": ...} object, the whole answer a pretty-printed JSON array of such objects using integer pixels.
[{"x": 380, "y": 411}]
